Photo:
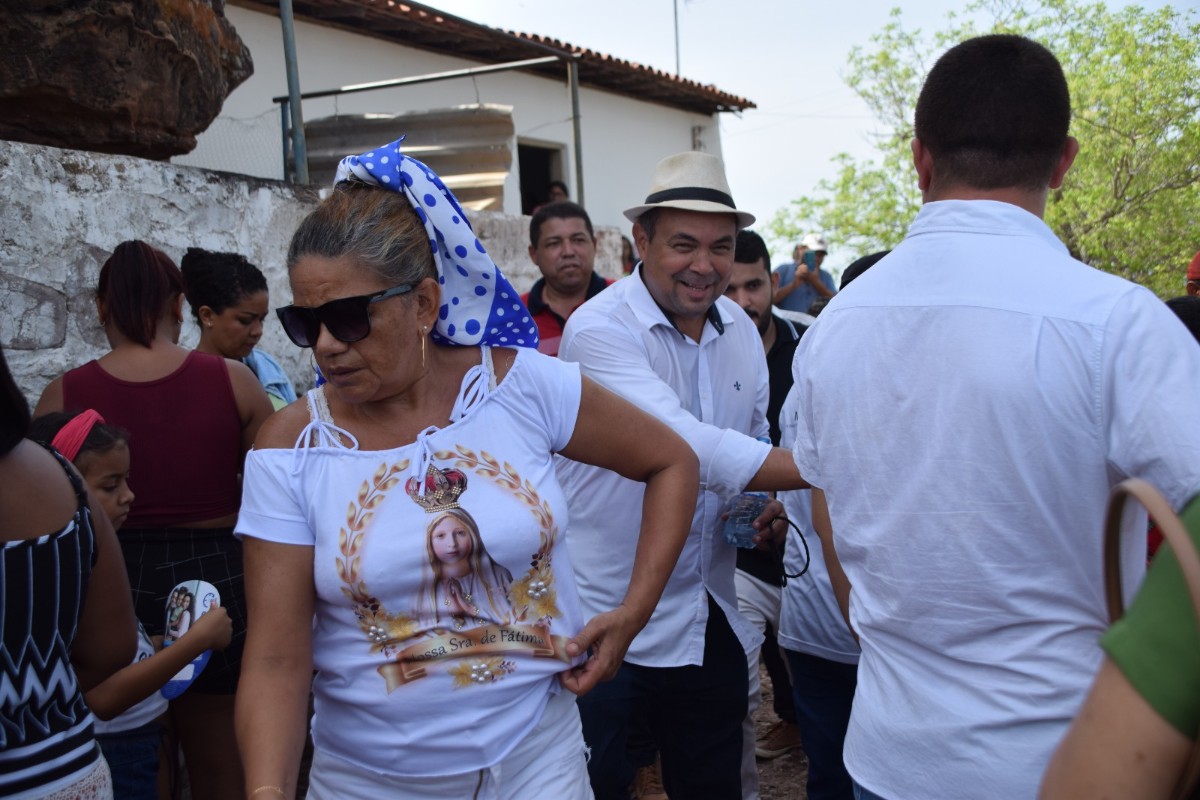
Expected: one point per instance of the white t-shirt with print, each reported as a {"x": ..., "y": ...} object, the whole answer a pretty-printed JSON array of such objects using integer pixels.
[{"x": 432, "y": 661}]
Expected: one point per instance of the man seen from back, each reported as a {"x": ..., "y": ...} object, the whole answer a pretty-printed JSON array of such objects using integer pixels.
[{"x": 964, "y": 409}]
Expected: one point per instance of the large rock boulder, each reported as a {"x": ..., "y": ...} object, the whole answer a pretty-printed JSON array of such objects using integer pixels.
[{"x": 133, "y": 77}]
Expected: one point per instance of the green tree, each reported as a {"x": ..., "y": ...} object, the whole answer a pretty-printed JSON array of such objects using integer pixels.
[{"x": 1131, "y": 203}]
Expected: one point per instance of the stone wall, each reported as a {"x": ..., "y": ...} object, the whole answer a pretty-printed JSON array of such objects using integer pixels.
[{"x": 65, "y": 210}]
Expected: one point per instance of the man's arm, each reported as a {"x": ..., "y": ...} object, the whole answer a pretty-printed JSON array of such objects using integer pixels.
[
  {"x": 786, "y": 287},
  {"x": 1118, "y": 747},
  {"x": 824, "y": 529},
  {"x": 729, "y": 460}
]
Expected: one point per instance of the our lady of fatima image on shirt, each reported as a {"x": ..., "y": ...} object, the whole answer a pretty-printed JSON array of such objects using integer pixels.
[{"x": 462, "y": 587}]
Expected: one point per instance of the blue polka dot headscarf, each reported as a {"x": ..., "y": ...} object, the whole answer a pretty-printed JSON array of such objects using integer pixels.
[{"x": 479, "y": 305}]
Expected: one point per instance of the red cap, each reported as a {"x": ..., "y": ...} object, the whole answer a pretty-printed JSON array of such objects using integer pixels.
[{"x": 1194, "y": 268}]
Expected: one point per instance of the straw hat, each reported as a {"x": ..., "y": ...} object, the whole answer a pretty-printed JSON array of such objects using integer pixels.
[{"x": 693, "y": 182}]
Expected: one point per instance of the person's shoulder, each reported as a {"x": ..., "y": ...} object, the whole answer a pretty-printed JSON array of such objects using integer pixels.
[
  {"x": 527, "y": 364},
  {"x": 598, "y": 309},
  {"x": 789, "y": 331},
  {"x": 798, "y": 318},
  {"x": 238, "y": 369},
  {"x": 259, "y": 357},
  {"x": 281, "y": 430}
]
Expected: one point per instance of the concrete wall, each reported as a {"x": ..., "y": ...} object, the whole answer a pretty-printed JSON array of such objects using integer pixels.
[
  {"x": 65, "y": 210},
  {"x": 622, "y": 137}
]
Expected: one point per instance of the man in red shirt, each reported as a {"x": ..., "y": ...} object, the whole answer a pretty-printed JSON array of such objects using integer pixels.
[{"x": 563, "y": 245}]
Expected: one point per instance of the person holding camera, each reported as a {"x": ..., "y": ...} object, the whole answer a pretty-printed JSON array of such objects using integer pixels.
[{"x": 802, "y": 281}]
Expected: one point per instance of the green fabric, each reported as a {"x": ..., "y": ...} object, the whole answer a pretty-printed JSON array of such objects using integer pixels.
[{"x": 1157, "y": 644}]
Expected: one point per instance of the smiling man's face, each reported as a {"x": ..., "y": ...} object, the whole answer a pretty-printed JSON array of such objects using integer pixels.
[{"x": 687, "y": 264}]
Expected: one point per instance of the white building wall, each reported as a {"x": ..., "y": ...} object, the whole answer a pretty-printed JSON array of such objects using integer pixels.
[
  {"x": 65, "y": 211},
  {"x": 622, "y": 138}
]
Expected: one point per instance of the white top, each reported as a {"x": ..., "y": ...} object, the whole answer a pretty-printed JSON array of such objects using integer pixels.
[
  {"x": 713, "y": 394},
  {"x": 144, "y": 712},
  {"x": 966, "y": 405},
  {"x": 437, "y": 637},
  {"x": 810, "y": 620}
]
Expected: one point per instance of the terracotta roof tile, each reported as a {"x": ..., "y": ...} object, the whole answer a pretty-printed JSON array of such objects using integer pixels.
[{"x": 415, "y": 25}]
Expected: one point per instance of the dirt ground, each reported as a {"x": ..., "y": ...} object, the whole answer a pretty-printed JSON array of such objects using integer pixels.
[{"x": 780, "y": 778}]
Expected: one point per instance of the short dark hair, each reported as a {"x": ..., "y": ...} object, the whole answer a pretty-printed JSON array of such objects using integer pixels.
[
  {"x": 564, "y": 209},
  {"x": 136, "y": 284},
  {"x": 751, "y": 249},
  {"x": 648, "y": 219},
  {"x": 14, "y": 410},
  {"x": 218, "y": 280},
  {"x": 560, "y": 185},
  {"x": 100, "y": 439},
  {"x": 994, "y": 113},
  {"x": 1187, "y": 308}
]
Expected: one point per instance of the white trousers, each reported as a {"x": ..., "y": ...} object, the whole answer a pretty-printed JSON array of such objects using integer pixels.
[
  {"x": 759, "y": 602},
  {"x": 549, "y": 762}
]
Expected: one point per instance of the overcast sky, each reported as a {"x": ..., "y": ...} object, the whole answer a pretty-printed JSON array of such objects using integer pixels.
[{"x": 788, "y": 56}]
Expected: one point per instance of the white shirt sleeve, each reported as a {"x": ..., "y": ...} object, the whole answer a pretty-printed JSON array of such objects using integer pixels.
[
  {"x": 556, "y": 389},
  {"x": 271, "y": 511},
  {"x": 1151, "y": 375},
  {"x": 617, "y": 361}
]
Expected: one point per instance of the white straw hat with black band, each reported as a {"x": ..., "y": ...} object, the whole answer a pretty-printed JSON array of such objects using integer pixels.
[{"x": 692, "y": 182}]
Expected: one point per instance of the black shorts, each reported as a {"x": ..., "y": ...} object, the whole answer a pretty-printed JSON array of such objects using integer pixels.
[{"x": 158, "y": 559}]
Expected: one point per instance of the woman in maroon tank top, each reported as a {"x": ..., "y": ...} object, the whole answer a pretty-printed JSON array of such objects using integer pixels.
[{"x": 191, "y": 417}]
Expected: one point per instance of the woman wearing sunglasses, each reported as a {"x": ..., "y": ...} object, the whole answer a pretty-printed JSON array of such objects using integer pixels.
[
  {"x": 228, "y": 296},
  {"x": 435, "y": 385},
  {"x": 191, "y": 417}
]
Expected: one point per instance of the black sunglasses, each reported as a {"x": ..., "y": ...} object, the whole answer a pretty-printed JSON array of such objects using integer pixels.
[{"x": 347, "y": 319}]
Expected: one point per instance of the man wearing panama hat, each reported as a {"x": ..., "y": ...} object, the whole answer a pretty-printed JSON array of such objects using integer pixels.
[{"x": 668, "y": 340}]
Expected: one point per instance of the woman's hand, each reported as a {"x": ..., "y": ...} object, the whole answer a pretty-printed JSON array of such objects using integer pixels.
[{"x": 608, "y": 636}]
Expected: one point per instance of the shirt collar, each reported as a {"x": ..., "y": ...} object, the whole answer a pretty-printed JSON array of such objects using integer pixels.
[
  {"x": 537, "y": 305},
  {"x": 985, "y": 216},
  {"x": 785, "y": 329}
]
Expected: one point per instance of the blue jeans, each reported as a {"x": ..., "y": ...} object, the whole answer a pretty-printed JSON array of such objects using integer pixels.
[
  {"x": 132, "y": 758},
  {"x": 693, "y": 713},
  {"x": 823, "y": 691}
]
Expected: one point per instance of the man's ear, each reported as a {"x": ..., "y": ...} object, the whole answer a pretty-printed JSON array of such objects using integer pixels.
[
  {"x": 640, "y": 239},
  {"x": 774, "y": 281},
  {"x": 101, "y": 314},
  {"x": 1070, "y": 150},
  {"x": 923, "y": 161}
]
